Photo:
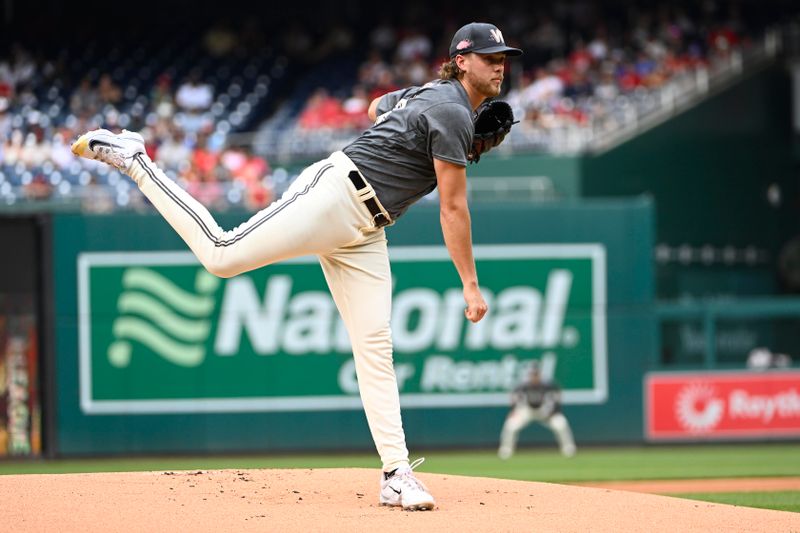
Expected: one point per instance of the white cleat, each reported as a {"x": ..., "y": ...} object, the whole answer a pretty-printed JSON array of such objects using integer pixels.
[
  {"x": 113, "y": 149},
  {"x": 406, "y": 491}
]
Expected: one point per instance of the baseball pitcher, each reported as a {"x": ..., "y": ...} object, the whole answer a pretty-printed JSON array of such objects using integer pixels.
[
  {"x": 536, "y": 401},
  {"x": 337, "y": 208}
]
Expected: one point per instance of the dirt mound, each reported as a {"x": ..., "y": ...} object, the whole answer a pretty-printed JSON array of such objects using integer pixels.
[{"x": 346, "y": 500}]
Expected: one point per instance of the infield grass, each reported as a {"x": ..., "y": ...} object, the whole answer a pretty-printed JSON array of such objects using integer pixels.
[
  {"x": 540, "y": 464},
  {"x": 778, "y": 500}
]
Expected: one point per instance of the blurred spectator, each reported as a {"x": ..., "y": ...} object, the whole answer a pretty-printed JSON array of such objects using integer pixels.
[
  {"x": 414, "y": 45},
  {"x": 598, "y": 47},
  {"x": 355, "y": 108},
  {"x": 85, "y": 100},
  {"x": 386, "y": 84},
  {"x": 646, "y": 67},
  {"x": 545, "y": 88},
  {"x": 173, "y": 152},
  {"x": 38, "y": 189},
  {"x": 6, "y": 88},
  {"x": 34, "y": 150},
  {"x": 12, "y": 148},
  {"x": 321, "y": 111},
  {"x": 193, "y": 95},
  {"x": 5, "y": 119},
  {"x": 60, "y": 152},
  {"x": 723, "y": 37},
  {"x": 161, "y": 97},
  {"x": 606, "y": 88},
  {"x": 628, "y": 78},
  {"x": 371, "y": 71},
  {"x": 581, "y": 86},
  {"x": 204, "y": 160},
  {"x": 193, "y": 98},
  {"x": 251, "y": 171},
  {"x": 204, "y": 187},
  {"x": 16, "y": 70},
  {"x": 96, "y": 198},
  {"x": 151, "y": 139},
  {"x": 580, "y": 59},
  {"x": 233, "y": 160},
  {"x": 415, "y": 72},
  {"x": 108, "y": 91}
]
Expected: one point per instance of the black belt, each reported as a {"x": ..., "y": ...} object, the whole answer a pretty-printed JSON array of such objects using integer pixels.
[{"x": 378, "y": 218}]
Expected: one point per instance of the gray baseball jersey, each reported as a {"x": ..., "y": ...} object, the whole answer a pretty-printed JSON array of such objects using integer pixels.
[{"x": 414, "y": 126}]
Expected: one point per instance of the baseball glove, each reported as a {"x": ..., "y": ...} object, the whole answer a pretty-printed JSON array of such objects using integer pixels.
[{"x": 493, "y": 121}]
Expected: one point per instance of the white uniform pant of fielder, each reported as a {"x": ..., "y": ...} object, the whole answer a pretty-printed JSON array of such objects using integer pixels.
[
  {"x": 521, "y": 416},
  {"x": 321, "y": 214}
]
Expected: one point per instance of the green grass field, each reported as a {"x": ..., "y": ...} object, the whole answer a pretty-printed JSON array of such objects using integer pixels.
[
  {"x": 778, "y": 500},
  {"x": 591, "y": 464}
]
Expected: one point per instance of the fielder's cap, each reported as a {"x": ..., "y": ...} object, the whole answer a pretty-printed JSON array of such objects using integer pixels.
[{"x": 480, "y": 37}]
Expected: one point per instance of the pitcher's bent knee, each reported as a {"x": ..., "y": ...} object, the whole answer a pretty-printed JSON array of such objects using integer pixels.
[{"x": 222, "y": 267}]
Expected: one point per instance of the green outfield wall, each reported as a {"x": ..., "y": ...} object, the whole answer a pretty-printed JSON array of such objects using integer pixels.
[
  {"x": 723, "y": 174},
  {"x": 153, "y": 354}
]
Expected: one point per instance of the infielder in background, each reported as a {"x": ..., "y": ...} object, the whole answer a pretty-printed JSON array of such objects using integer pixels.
[
  {"x": 536, "y": 401},
  {"x": 337, "y": 208}
]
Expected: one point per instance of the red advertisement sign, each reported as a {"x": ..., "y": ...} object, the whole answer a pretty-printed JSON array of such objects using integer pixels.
[{"x": 722, "y": 405}]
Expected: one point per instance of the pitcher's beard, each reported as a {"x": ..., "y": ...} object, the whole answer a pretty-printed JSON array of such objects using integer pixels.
[{"x": 485, "y": 87}]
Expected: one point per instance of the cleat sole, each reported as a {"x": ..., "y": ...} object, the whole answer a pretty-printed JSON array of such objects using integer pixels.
[{"x": 425, "y": 506}]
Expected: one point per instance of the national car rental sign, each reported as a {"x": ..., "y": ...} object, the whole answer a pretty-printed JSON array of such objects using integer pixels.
[
  {"x": 159, "y": 335},
  {"x": 722, "y": 405}
]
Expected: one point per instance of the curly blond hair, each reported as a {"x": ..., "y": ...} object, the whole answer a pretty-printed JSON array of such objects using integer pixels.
[{"x": 450, "y": 71}]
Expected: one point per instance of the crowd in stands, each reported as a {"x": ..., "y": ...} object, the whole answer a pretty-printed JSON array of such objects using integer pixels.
[
  {"x": 583, "y": 83},
  {"x": 38, "y": 125},
  {"x": 579, "y": 59},
  {"x": 575, "y": 64}
]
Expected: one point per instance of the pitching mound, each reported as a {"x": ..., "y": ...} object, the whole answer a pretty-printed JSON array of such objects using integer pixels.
[{"x": 346, "y": 500}]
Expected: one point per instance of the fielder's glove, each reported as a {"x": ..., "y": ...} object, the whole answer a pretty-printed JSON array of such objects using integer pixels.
[{"x": 493, "y": 121}]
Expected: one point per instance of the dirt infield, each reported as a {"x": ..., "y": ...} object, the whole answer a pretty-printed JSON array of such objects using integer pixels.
[{"x": 346, "y": 500}]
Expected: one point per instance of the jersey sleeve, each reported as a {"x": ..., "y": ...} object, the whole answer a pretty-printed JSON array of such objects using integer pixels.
[
  {"x": 389, "y": 100},
  {"x": 449, "y": 130}
]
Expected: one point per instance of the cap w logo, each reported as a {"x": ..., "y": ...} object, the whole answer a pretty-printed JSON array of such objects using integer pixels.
[{"x": 497, "y": 36}]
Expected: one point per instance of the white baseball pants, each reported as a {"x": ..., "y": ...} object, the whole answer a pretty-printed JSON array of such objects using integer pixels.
[
  {"x": 322, "y": 214},
  {"x": 521, "y": 416}
]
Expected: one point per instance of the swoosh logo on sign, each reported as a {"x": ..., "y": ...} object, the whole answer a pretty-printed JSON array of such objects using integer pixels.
[{"x": 162, "y": 316}]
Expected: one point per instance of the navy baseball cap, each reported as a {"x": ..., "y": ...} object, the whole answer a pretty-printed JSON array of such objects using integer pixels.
[{"x": 480, "y": 37}]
